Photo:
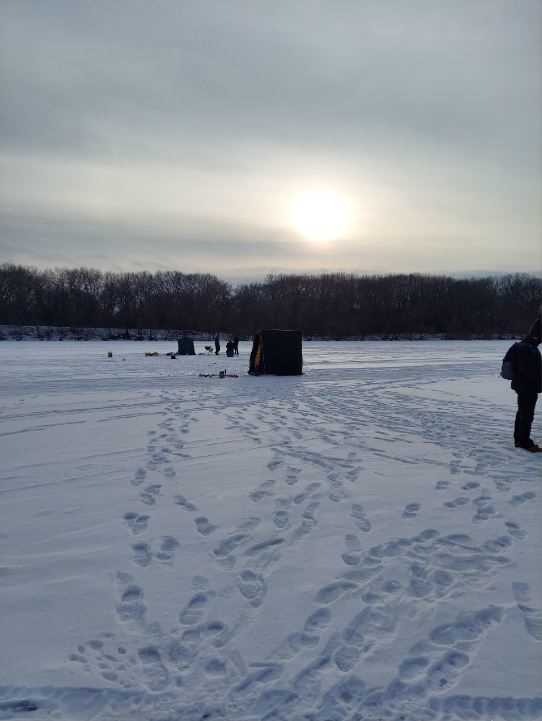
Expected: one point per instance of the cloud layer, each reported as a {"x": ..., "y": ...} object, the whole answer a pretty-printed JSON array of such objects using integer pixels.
[{"x": 175, "y": 134}]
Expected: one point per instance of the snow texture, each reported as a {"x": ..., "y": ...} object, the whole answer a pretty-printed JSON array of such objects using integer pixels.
[{"x": 358, "y": 543}]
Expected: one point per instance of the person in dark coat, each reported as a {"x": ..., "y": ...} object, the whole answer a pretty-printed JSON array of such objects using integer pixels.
[
  {"x": 236, "y": 345},
  {"x": 217, "y": 344},
  {"x": 527, "y": 382}
]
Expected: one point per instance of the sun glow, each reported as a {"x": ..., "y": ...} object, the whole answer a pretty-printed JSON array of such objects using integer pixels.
[{"x": 321, "y": 216}]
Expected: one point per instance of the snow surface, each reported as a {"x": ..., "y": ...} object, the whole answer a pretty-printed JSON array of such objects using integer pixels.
[{"x": 361, "y": 542}]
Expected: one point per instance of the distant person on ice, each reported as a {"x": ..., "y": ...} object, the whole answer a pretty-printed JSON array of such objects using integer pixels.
[
  {"x": 236, "y": 345},
  {"x": 217, "y": 344},
  {"x": 527, "y": 382}
]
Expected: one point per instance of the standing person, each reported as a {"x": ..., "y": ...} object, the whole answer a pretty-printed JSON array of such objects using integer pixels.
[
  {"x": 236, "y": 345},
  {"x": 527, "y": 382},
  {"x": 217, "y": 344}
]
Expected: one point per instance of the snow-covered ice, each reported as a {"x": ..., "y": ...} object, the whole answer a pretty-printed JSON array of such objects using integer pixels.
[{"x": 362, "y": 542}]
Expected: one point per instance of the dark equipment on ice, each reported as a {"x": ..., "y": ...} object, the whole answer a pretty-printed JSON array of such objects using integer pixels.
[
  {"x": 277, "y": 352},
  {"x": 186, "y": 346}
]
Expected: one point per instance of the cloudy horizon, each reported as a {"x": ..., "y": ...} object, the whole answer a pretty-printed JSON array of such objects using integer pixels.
[{"x": 222, "y": 137}]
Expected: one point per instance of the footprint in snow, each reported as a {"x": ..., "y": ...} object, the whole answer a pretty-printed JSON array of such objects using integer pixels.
[
  {"x": 264, "y": 490},
  {"x": 250, "y": 523},
  {"x": 185, "y": 504},
  {"x": 413, "y": 667},
  {"x": 142, "y": 554},
  {"x": 304, "y": 528},
  {"x": 18, "y": 706},
  {"x": 361, "y": 520},
  {"x": 346, "y": 657},
  {"x": 265, "y": 673},
  {"x": 484, "y": 508},
  {"x": 353, "y": 474},
  {"x": 444, "y": 673},
  {"x": 131, "y": 606},
  {"x": 296, "y": 642},
  {"x": 317, "y": 621},
  {"x": 229, "y": 544},
  {"x": 310, "y": 511},
  {"x": 352, "y": 542},
  {"x": 194, "y": 610},
  {"x": 136, "y": 522},
  {"x": 337, "y": 495},
  {"x": 181, "y": 655},
  {"x": 523, "y": 498},
  {"x": 333, "y": 591},
  {"x": 147, "y": 499},
  {"x": 532, "y": 616},
  {"x": 259, "y": 495},
  {"x": 157, "y": 675},
  {"x": 411, "y": 510},
  {"x": 515, "y": 530},
  {"x": 312, "y": 489},
  {"x": 283, "y": 502},
  {"x": 108, "y": 661},
  {"x": 200, "y": 582},
  {"x": 215, "y": 667},
  {"x": 457, "y": 502},
  {"x": 139, "y": 477},
  {"x": 469, "y": 626},
  {"x": 280, "y": 519},
  {"x": 204, "y": 527},
  {"x": 264, "y": 546},
  {"x": 352, "y": 555},
  {"x": 252, "y": 586},
  {"x": 167, "y": 549},
  {"x": 149, "y": 494},
  {"x": 496, "y": 545}
]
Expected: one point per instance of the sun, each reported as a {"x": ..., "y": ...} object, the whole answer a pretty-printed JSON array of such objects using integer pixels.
[{"x": 321, "y": 216}]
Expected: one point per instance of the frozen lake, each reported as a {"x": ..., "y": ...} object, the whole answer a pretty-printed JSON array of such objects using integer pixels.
[{"x": 360, "y": 542}]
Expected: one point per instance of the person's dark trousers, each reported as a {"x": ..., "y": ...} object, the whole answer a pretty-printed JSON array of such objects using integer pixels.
[{"x": 524, "y": 419}]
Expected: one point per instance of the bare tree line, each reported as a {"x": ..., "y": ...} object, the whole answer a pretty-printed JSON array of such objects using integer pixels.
[{"x": 333, "y": 305}]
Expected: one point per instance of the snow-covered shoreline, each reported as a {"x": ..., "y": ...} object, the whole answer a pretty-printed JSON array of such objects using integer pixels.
[
  {"x": 56, "y": 333},
  {"x": 361, "y": 542}
]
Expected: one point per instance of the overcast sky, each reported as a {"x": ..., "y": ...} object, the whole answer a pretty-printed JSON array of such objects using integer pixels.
[{"x": 184, "y": 135}]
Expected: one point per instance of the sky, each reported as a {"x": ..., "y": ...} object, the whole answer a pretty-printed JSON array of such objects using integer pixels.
[{"x": 247, "y": 137}]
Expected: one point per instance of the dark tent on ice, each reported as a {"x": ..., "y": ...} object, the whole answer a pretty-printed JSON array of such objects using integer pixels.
[
  {"x": 278, "y": 352},
  {"x": 186, "y": 346}
]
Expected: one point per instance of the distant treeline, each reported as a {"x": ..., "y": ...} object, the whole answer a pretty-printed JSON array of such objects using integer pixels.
[{"x": 330, "y": 305}]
